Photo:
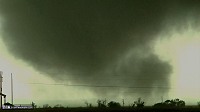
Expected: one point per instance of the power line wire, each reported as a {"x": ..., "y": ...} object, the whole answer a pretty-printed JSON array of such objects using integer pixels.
[{"x": 104, "y": 86}]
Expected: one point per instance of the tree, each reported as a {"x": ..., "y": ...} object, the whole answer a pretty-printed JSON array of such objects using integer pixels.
[
  {"x": 139, "y": 103},
  {"x": 113, "y": 104},
  {"x": 34, "y": 105},
  {"x": 88, "y": 104},
  {"x": 46, "y": 106},
  {"x": 101, "y": 103},
  {"x": 198, "y": 103},
  {"x": 171, "y": 103},
  {"x": 58, "y": 106},
  {"x": 132, "y": 105},
  {"x": 159, "y": 105},
  {"x": 180, "y": 103},
  {"x": 177, "y": 103}
]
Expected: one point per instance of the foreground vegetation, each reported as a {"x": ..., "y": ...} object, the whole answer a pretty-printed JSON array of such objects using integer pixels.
[
  {"x": 174, "y": 105},
  {"x": 122, "y": 109}
]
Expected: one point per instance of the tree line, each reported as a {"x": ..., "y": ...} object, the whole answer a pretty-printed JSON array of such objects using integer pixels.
[{"x": 139, "y": 103}]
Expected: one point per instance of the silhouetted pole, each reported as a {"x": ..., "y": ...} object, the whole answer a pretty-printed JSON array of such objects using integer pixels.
[
  {"x": 123, "y": 102},
  {"x": 4, "y": 99},
  {"x": 1, "y": 80},
  {"x": 11, "y": 89}
]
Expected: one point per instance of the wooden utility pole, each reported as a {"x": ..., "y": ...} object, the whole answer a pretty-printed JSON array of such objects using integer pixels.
[
  {"x": 11, "y": 89},
  {"x": 1, "y": 80},
  {"x": 123, "y": 102}
]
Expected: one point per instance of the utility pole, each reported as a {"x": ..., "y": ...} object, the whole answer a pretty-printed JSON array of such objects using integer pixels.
[
  {"x": 123, "y": 102},
  {"x": 1, "y": 80},
  {"x": 11, "y": 89}
]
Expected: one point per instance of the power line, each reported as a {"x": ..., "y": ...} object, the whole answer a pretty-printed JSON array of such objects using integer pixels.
[
  {"x": 115, "y": 77},
  {"x": 104, "y": 86}
]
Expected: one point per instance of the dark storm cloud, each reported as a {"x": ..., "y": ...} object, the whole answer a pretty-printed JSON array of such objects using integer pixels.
[{"x": 89, "y": 40}]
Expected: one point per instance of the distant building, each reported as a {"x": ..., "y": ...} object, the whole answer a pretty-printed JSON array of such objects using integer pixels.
[{"x": 23, "y": 106}]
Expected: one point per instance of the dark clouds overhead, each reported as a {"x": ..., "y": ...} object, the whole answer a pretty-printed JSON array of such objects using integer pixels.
[{"x": 89, "y": 40}]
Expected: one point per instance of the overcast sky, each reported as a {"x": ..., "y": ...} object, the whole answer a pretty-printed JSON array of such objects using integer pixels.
[{"x": 113, "y": 49}]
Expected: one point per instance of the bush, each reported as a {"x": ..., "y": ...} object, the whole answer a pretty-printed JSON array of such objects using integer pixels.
[
  {"x": 113, "y": 104},
  {"x": 46, "y": 106},
  {"x": 139, "y": 103},
  {"x": 171, "y": 103}
]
